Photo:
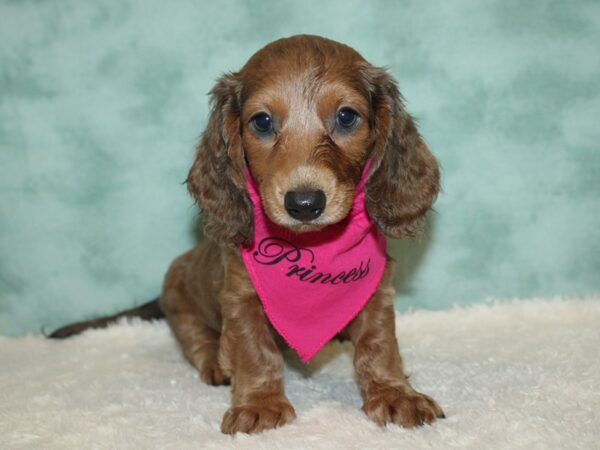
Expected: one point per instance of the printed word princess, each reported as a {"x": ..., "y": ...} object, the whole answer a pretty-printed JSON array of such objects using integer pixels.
[{"x": 273, "y": 251}]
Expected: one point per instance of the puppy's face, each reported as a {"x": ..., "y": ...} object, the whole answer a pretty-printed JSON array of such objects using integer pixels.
[
  {"x": 305, "y": 134},
  {"x": 306, "y": 113}
]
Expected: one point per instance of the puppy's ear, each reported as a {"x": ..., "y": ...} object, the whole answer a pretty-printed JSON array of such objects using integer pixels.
[
  {"x": 405, "y": 177},
  {"x": 216, "y": 179}
]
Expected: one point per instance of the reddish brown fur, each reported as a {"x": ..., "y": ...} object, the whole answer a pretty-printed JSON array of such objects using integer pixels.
[{"x": 208, "y": 298}]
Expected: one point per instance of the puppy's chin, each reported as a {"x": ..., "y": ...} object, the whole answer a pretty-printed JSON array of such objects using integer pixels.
[
  {"x": 284, "y": 220},
  {"x": 304, "y": 227}
]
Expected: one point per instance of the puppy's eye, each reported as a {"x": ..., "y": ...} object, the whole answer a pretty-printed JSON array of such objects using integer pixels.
[
  {"x": 262, "y": 123},
  {"x": 347, "y": 118}
]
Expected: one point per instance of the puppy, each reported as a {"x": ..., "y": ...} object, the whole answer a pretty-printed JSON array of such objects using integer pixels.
[{"x": 308, "y": 149}]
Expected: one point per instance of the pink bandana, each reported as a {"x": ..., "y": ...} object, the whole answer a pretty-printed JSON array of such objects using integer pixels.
[{"x": 313, "y": 284}]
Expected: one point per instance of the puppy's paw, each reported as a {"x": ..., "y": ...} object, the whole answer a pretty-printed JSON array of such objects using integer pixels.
[
  {"x": 213, "y": 375},
  {"x": 401, "y": 406},
  {"x": 255, "y": 418}
]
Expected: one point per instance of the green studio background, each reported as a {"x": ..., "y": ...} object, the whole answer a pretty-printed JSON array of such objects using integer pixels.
[{"x": 101, "y": 104}]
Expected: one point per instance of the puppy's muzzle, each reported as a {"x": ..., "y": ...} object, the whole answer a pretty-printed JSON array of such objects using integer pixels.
[{"x": 305, "y": 205}]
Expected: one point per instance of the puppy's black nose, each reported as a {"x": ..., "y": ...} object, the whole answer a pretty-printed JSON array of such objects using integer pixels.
[{"x": 305, "y": 205}]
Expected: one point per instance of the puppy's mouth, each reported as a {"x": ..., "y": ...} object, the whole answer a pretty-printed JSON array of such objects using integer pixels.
[{"x": 307, "y": 210}]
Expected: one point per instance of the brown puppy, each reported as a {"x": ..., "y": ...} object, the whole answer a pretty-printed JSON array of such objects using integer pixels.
[
  {"x": 303, "y": 111},
  {"x": 279, "y": 113}
]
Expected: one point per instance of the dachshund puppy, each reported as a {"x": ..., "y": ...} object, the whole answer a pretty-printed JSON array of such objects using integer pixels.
[{"x": 305, "y": 123}]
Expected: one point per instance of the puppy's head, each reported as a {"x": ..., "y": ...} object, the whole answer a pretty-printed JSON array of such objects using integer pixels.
[{"x": 305, "y": 114}]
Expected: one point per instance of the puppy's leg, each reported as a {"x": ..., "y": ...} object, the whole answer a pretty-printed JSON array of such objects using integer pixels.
[
  {"x": 187, "y": 310},
  {"x": 249, "y": 353},
  {"x": 200, "y": 346},
  {"x": 388, "y": 396}
]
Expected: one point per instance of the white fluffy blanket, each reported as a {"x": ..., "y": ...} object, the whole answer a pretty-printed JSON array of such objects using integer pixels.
[{"x": 522, "y": 374}]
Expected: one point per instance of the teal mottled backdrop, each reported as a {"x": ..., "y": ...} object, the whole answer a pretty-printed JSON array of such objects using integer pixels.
[{"x": 101, "y": 104}]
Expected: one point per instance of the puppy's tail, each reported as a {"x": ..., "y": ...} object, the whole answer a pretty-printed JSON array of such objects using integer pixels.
[{"x": 147, "y": 311}]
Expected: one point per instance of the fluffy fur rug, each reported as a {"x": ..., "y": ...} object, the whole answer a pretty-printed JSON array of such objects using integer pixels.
[{"x": 522, "y": 374}]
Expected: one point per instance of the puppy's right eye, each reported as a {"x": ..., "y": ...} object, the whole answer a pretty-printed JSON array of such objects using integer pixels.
[{"x": 262, "y": 123}]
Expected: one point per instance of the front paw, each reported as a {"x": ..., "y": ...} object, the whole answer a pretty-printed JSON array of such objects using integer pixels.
[
  {"x": 254, "y": 418},
  {"x": 402, "y": 406}
]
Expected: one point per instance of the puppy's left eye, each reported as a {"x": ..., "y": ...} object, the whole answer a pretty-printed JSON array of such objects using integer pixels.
[{"x": 347, "y": 119}]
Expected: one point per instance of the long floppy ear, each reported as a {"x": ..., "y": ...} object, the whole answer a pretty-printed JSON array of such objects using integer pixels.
[
  {"x": 216, "y": 179},
  {"x": 405, "y": 178}
]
